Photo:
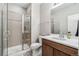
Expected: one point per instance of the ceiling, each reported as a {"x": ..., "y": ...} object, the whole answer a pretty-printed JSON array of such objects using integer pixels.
[{"x": 23, "y": 5}]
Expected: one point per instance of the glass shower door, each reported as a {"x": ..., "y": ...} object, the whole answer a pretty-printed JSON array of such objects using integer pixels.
[{"x": 11, "y": 29}]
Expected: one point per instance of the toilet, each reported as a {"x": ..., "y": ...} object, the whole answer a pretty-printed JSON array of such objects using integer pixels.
[{"x": 36, "y": 48}]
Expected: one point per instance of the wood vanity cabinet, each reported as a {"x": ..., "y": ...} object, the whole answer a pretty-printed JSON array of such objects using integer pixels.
[
  {"x": 47, "y": 50},
  {"x": 50, "y": 48}
]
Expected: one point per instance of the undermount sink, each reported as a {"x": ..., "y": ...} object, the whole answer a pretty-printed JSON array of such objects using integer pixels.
[
  {"x": 55, "y": 38},
  {"x": 58, "y": 38}
]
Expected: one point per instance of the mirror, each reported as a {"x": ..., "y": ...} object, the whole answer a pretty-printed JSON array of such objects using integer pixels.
[{"x": 64, "y": 19}]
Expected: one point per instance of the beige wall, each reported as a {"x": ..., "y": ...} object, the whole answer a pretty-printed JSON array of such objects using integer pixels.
[
  {"x": 45, "y": 24},
  {"x": 35, "y": 21}
]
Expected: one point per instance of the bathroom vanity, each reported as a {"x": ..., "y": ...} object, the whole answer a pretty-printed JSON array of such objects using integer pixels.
[{"x": 59, "y": 47}]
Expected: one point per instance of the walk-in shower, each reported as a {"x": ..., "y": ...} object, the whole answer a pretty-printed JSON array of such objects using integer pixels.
[{"x": 15, "y": 28}]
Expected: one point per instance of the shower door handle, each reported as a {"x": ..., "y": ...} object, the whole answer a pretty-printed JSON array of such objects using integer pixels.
[{"x": 6, "y": 35}]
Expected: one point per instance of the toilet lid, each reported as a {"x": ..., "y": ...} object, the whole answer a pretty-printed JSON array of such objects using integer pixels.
[{"x": 35, "y": 45}]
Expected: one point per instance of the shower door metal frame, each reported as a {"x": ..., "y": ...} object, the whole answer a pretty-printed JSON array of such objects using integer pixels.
[
  {"x": 4, "y": 28},
  {"x": 1, "y": 32}
]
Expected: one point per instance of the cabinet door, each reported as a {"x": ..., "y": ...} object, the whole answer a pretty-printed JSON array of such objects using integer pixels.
[
  {"x": 47, "y": 50},
  {"x": 59, "y": 53}
]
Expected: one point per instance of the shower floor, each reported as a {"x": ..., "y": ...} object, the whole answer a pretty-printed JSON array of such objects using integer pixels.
[{"x": 17, "y": 50}]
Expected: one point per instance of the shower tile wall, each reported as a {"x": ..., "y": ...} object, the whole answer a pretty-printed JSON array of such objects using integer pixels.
[
  {"x": 15, "y": 13},
  {"x": 14, "y": 29}
]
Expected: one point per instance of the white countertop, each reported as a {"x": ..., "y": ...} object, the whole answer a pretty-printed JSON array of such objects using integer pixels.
[{"x": 73, "y": 42}]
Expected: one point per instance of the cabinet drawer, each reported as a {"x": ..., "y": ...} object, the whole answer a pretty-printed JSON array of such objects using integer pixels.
[{"x": 66, "y": 49}]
